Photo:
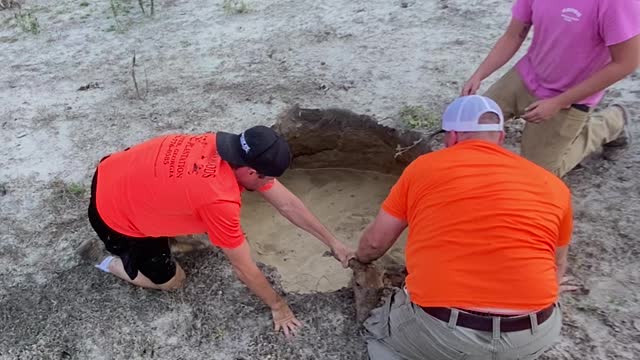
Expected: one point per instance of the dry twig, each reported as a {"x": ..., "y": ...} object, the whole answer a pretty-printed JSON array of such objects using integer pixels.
[{"x": 135, "y": 81}]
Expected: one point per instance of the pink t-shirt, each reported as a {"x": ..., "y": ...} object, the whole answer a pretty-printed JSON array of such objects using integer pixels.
[{"x": 570, "y": 41}]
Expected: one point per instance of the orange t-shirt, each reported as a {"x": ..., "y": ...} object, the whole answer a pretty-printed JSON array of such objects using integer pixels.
[
  {"x": 171, "y": 185},
  {"x": 484, "y": 224}
]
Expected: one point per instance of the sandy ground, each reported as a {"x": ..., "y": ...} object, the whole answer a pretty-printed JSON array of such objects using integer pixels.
[
  {"x": 207, "y": 70},
  {"x": 346, "y": 200}
]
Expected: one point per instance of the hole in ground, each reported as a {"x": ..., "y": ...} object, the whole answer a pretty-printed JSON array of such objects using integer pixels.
[{"x": 344, "y": 165}]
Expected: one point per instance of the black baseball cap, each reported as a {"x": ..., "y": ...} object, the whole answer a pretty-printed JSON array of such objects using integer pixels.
[{"x": 259, "y": 148}]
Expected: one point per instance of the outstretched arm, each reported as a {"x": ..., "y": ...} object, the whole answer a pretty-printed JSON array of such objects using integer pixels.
[
  {"x": 292, "y": 208},
  {"x": 502, "y": 51},
  {"x": 379, "y": 236},
  {"x": 250, "y": 275}
]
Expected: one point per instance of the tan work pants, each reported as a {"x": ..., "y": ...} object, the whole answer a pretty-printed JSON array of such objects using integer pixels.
[{"x": 562, "y": 142}]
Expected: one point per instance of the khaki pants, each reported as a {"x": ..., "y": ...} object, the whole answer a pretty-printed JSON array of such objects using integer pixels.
[
  {"x": 402, "y": 330},
  {"x": 562, "y": 142}
]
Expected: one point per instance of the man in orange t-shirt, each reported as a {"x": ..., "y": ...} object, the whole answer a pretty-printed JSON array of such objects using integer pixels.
[
  {"x": 188, "y": 184},
  {"x": 487, "y": 246}
]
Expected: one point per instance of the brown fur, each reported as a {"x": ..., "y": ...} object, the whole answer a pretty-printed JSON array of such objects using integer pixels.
[{"x": 370, "y": 284}]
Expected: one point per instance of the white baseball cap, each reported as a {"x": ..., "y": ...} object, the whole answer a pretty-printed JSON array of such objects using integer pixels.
[{"x": 463, "y": 114}]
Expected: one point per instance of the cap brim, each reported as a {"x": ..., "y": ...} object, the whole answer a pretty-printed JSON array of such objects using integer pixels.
[{"x": 228, "y": 146}]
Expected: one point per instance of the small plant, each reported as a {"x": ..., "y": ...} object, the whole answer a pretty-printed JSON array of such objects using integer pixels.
[
  {"x": 84, "y": 4},
  {"x": 116, "y": 9},
  {"x": 67, "y": 192},
  {"x": 75, "y": 189},
  {"x": 66, "y": 196},
  {"x": 121, "y": 8},
  {"x": 219, "y": 333},
  {"x": 135, "y": 81},
  {"x": 235, "y": 7},
  {"x": 151, "y": 7},
  {"x": 416, "y": 117},
  {"x": 27, "y": 22}
]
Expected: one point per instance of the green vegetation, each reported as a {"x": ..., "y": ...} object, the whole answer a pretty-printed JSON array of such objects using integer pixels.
[
  {"x": 75, "y": 189},
  {"x": 27, "y": 22},
  {"x": 416, "y": 117},
  {"x": 235, "y": 7}
]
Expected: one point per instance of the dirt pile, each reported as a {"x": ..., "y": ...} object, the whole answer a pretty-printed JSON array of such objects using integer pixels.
[{"x": 339, "y": 138}]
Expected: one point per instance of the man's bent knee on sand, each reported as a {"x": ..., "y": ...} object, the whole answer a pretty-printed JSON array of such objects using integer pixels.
[{"x": 188, "y": 184}]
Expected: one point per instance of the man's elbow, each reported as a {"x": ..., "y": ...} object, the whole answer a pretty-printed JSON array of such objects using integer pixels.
[{"x": 376, "y": 245}]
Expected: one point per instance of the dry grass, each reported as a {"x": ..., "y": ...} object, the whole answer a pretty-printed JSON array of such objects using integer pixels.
[
  {"x": 417, "y": 117},
  {"x": 9, "y": 4}
]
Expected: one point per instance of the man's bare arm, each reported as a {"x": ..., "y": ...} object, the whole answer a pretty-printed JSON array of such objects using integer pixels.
[
  {"x": 500, "y": 54},
  {"x": 625, "y": 59},
  {"x": 379, "y": 236},
  {"x": 248, "y": 272},
  {"x": 292, "y": 208}
]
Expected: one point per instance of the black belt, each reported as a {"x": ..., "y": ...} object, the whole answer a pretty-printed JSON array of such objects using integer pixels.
[
  {"x": 581, "y": 107},
  {"x": 484, "y": 322}
]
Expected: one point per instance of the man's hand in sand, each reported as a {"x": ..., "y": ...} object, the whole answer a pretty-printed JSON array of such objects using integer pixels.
[{"x": 284, "y": 319}]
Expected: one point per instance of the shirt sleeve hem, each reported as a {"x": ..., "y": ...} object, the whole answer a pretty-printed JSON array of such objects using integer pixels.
[
  {"x": 394, "y": 213},
  {"x": 622, "y": 38},
  {"x": 227, "y": 245}
]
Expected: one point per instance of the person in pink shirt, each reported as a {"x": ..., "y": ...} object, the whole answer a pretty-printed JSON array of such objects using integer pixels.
[{"x": 579, "y": 48}]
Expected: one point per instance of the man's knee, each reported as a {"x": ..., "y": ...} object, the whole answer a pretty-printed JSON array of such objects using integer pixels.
[
  {"x": 176, "y": 282},
  {"x": 379, "y": 351}
]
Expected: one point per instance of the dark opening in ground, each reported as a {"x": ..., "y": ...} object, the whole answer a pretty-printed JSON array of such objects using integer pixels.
[{"x": 343, "y": 168}]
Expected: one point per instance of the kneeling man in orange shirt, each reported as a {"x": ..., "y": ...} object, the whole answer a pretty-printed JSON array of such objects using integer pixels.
[
  {"x": 184, "y": 184},
  {"x": 487, "y": 247}
]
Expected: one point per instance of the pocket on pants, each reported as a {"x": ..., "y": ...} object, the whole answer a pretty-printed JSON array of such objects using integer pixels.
[
  {"x": 532, "y": 356},
  {"x": 570, "y": 124},
  {"x": 377, "y": 324},
  {"x": 418, "y": 342}
]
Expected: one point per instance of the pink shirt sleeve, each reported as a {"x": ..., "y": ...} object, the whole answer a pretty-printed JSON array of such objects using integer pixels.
[
  {"x": 522, "y": 10},
  {"x": 619, "y": 20},
  {"x": 223, "y": 224}
]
